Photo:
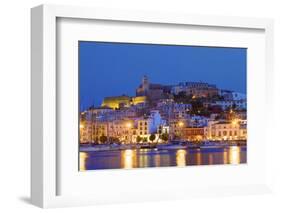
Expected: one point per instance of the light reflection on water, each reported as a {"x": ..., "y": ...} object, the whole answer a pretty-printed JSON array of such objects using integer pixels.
[
  {"x": 234, "y": 155},
  {"x": 128, "y": 159},
  {"x": 181, "y": 157},
  {"x": 82, "y": 163},
  {"x": 141, "y": 158},
  {"x": 225, "y": 157},
  {"x": 198, "y": 158},
  {"x": 211, "y": 159}
]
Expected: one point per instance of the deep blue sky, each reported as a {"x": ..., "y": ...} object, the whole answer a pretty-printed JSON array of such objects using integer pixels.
[{"x": 111, "y": 69}]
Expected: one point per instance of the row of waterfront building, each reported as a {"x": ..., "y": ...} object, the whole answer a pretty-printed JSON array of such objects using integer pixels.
[
  {"x": 155, "y": 116},
  {"x": 140, "y": 129}
]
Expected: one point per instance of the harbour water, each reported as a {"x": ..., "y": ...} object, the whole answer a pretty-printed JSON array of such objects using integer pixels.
[{"x": 143, "y": 158}]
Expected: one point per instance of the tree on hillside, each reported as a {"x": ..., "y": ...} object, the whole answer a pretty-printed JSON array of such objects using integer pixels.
[{"x": 182, "y": 97}]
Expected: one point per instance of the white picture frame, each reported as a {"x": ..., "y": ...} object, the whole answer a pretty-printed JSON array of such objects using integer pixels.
[{"x": 45, "y": 171}]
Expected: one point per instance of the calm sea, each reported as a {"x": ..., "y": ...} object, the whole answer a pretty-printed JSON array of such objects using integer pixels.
[{"x": 142, "y": 158}]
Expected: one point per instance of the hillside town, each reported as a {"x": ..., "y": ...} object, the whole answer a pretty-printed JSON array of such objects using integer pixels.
[{"x": 164, "y": 114}]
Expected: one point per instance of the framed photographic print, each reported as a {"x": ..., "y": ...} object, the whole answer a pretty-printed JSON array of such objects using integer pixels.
[
  {"x": 136, "y": 123},
  {"x": 149, "y": 106}
]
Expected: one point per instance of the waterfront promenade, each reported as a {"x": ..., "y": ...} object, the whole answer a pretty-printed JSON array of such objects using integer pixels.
[{"x": 173, "y": 145}]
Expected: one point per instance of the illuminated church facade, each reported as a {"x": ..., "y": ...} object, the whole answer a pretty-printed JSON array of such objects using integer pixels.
[{"x": 145, "y": 93}]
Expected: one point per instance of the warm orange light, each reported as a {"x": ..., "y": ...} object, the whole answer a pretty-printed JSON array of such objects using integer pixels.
[
  {"x": 83, "y": 159},
  {"x": 234, "y": 155},
  {"x": 81, "y": 126},
  {"x": 181, "y": 124},
  {"x": 128, "y": 125},
  {"x": 128, "y": 159},
  {"x": 181, "y": 158},
  {"x": 199, "y": 137},
  {"x": 234, "y": 122}
]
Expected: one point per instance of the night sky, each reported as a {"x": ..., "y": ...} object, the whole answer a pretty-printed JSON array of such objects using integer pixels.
[{"x": 112, "y": 69}]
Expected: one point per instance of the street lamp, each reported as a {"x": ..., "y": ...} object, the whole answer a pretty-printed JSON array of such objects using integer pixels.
[
  {"x": 234, "y": 122},
  {"x": 181, "y": 124},
  {"x": 129, "y": 126}
]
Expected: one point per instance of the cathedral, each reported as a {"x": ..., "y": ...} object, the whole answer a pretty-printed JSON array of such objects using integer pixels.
[
  {"x": 153, "y": 92},
  {"x": 146, "y": 92}
]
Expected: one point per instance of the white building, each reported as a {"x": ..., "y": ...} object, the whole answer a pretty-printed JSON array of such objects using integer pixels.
[
  {"x": 232, "y": 96},
  {"x": 173, "y": 110},
  {"x": 149, "y": 125},
  {"x": 85, "y": 131},
  {"x": 238, "y": 104},
  {"x": 181, "y": 87},
  {"x": 198, "y": 89},
  {"x": 226, "y": 130},
  {"x": 197, "y": 121},
  {"x": 238, "y": 96}
]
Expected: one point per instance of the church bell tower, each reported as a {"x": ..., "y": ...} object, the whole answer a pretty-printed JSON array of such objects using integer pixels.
[{"x": 145, "y": 84}]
